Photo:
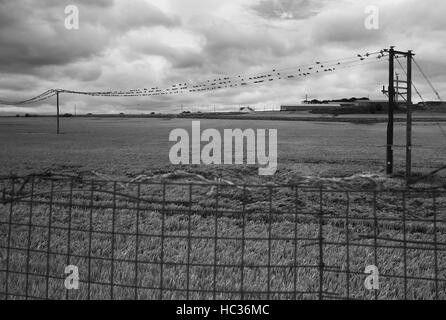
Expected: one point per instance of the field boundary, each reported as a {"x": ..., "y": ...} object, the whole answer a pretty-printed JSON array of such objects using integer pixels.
[{"x": 184, "y": 240}]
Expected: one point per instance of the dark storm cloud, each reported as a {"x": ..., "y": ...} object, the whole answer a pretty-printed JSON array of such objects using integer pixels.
[
  {"x": 227, "y": 41},
  {"x": 33, "y": 34},
  {"x": 228, "y": 49},
  {"x": 142, "y": 43}
]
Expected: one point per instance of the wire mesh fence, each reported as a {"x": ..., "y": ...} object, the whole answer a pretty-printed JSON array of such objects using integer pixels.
[{"x": 199, "y": 241}]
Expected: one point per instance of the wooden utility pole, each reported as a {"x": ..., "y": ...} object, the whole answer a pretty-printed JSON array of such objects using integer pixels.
[
  {"x": 409, "y": 118},
  {"x": 389, "y": 157},
  {"x": 392, "y": 94},
  {"x": 58, "y": 128}
]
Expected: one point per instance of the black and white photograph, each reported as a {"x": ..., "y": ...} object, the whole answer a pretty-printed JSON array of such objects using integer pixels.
[{"x": 239, "y": 152}]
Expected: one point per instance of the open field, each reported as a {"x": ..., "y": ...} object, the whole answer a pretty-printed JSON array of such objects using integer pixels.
[
  {"x": 418, "y": 116},
  {"x": 127, "y": 147},
  {"x": 179, "y": 242}
]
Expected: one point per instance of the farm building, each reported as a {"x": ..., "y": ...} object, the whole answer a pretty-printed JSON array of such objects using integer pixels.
[
  {"x": 437, "y": 106},
  {"x": 247, "y": 109},
  {"x": 306, "y": 107},
  {"x": 368, "y": 103}
]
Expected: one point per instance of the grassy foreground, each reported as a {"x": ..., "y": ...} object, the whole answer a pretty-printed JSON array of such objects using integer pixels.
[{"x": 251, "y": 247}]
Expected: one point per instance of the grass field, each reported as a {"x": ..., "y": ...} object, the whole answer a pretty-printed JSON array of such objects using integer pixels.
[
  {"x": 199, "y": 252},
  {"x": 194, "y": 244},
  {"x": 127, "y": 147}
]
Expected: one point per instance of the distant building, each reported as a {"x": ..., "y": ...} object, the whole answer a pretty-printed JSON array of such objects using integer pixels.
[
  {"x": 368, "y": 103},
  {"x": 246, "y": 109},
  {"x": 307, "y": 107},
  {"x": 356, "y": 105},
  {"x": 436, "y": 106},
  {"x": 434, "y": 103}
]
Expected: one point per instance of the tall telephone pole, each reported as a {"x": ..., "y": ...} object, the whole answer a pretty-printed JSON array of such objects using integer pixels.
[
  {"x": 389, "y": 157},
  {"x": 392, "y": 94},
  {"x": 409, "y": 118}
]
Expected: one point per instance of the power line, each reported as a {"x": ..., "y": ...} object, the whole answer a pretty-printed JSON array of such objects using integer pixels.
[
  {"x": 413, "y": 84},
  {"x": 427, "y": 79},
  {"x": 46, "y": 95},
  {"x": 221, "y": 83},
  {"x": 443, "y": 132},
  {"x": 318, "y": 67}
]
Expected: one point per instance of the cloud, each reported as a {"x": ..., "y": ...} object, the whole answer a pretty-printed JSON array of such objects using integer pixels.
[
  {"x": 288, "y": 9},
  {"x": 34, "y": 36},
  {"x": 145, "y": 43}
]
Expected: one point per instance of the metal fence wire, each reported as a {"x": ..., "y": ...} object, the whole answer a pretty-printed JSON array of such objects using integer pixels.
[{"x": 200, "y": 241}]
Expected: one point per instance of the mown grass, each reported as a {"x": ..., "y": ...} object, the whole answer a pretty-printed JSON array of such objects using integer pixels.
[
  {"x": 251, "y": 247},
  {"x": 123, "y": 146}
]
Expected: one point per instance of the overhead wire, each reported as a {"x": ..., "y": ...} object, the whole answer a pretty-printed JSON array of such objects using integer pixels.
[
  {"x": 413, "y": 83},
  {"x": 222, "y": 82},
  {"x": 427, "y": 79},
  {"x": 226, "y": 82},
  {"x": 443, "y": 132}
]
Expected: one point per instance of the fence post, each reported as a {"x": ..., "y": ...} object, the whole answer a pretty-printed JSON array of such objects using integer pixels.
[
  {"x": 8, "y": 249},
  {"x": 138, "y": 211},
  {"x": 270, "y": 218},
  {"x": 434, "y": 207},
  {"x": 321, "y": 249},
  {"x": 404, "y": 245},
  {"x": 68, "y": 254},
  {"x": 347, "y": 240},
  {"x": 163, "y": 226},
  {"x": 189, "y": 242},
  {"x": 295, "y": 240},
  {"x": 215, "y": 267},
  {"x": 48, "y": 247},
  {"x": 28, "y": 251},
  {"x": 90, "y": 238},
  {"x": 242, "y": 275}
]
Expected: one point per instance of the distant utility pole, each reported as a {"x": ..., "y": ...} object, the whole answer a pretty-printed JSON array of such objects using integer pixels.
[{"x": 57, "y": 96}]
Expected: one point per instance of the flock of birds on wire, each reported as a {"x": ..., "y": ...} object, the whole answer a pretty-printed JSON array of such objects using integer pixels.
[{"x": 226, "y": 82}]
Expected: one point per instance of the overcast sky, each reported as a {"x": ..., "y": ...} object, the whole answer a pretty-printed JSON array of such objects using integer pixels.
[{"x": 125, "y": 44}]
